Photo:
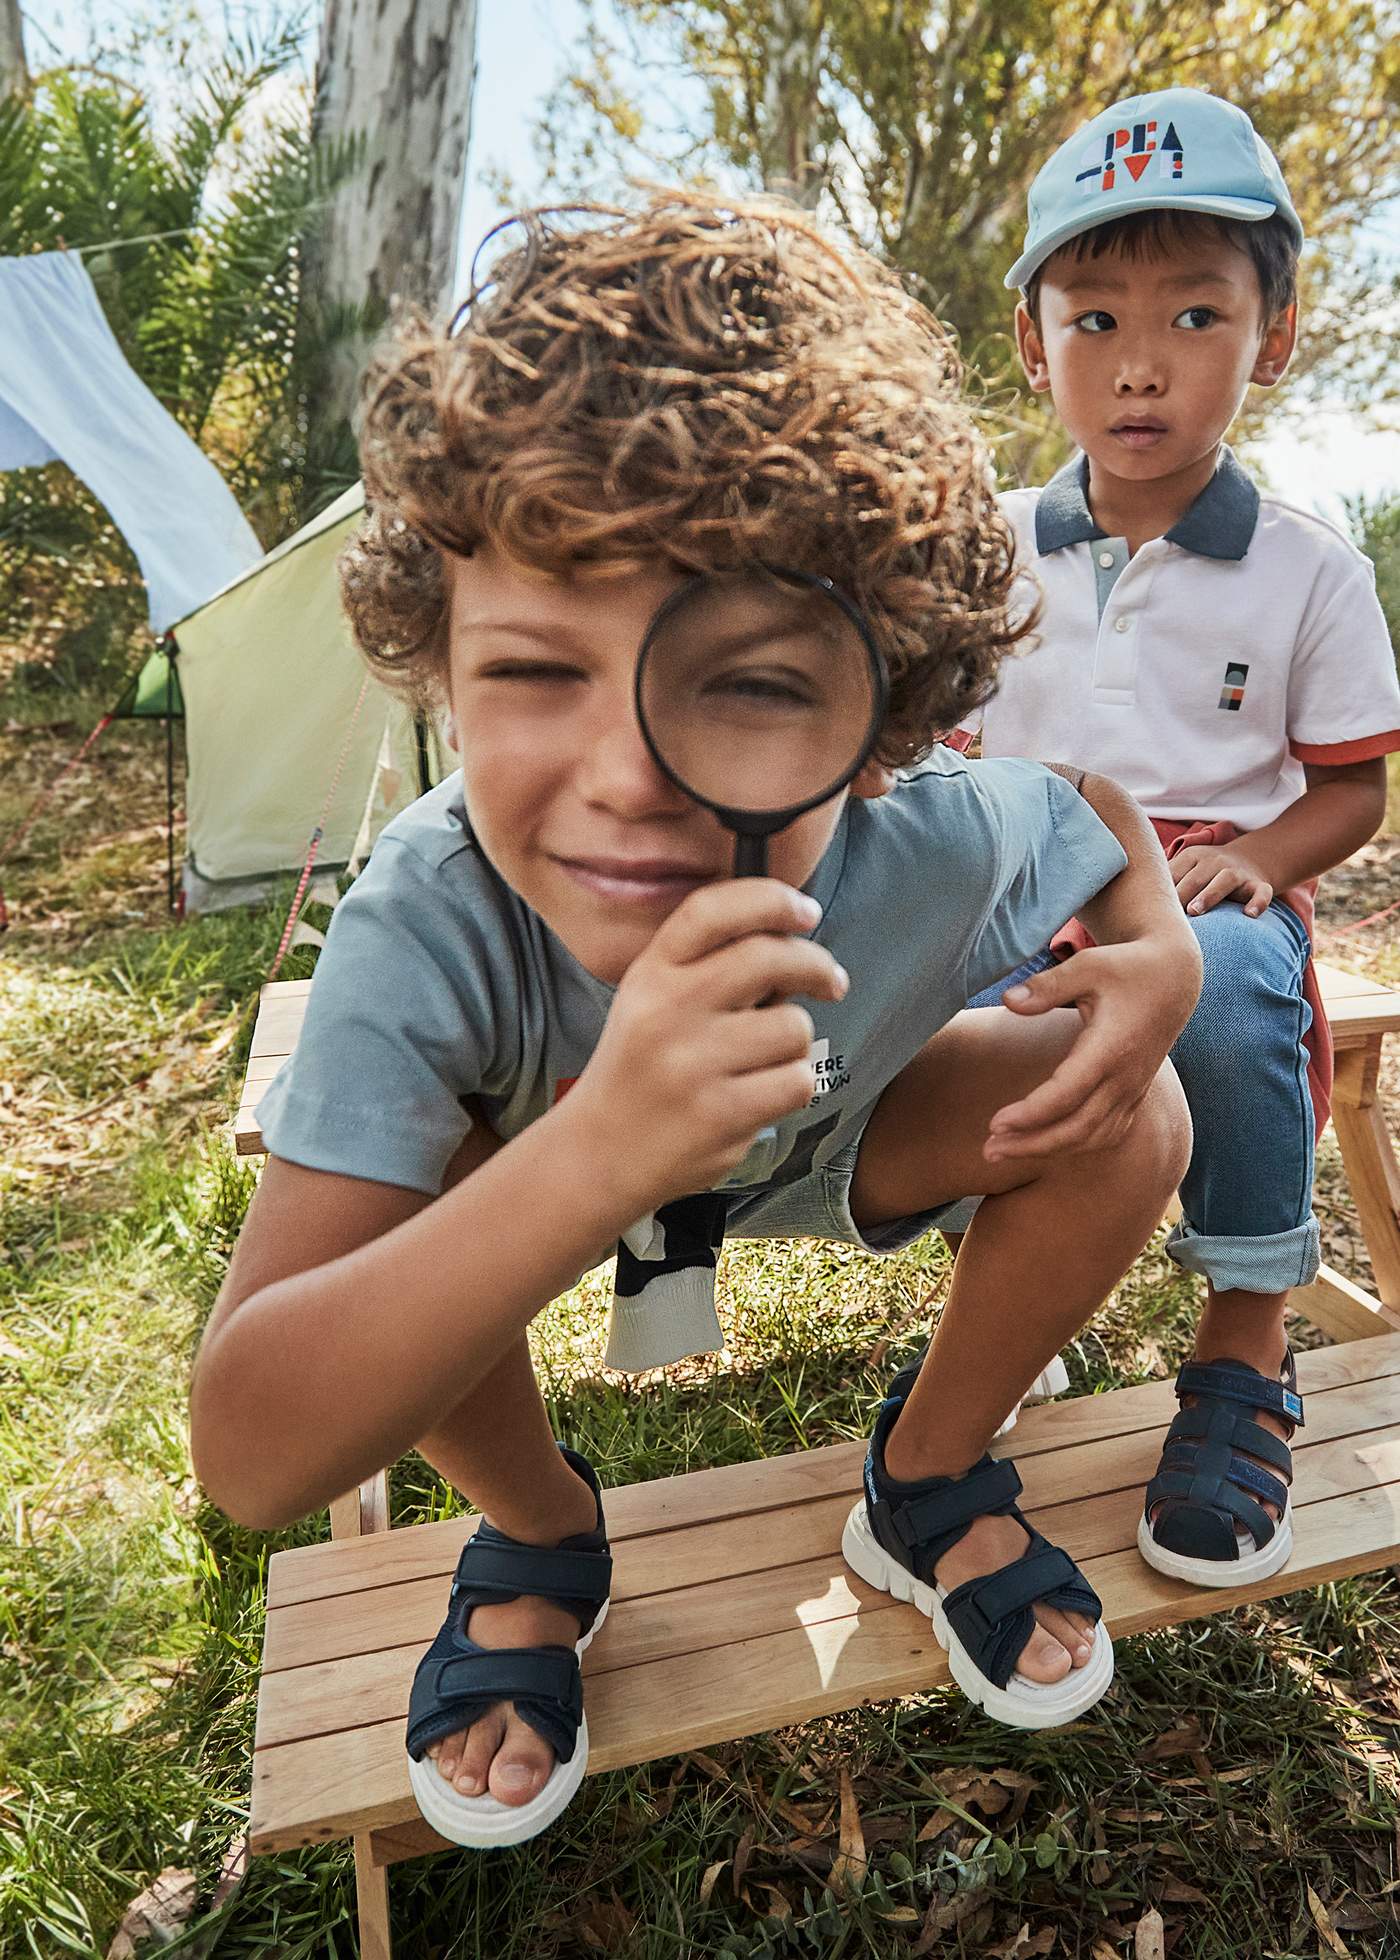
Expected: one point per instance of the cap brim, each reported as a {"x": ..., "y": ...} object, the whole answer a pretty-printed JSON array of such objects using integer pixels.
[{"x": 1251, "y": 209}]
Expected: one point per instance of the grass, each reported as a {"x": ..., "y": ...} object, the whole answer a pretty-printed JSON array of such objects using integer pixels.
[{"x": 1241, "y": 1779}]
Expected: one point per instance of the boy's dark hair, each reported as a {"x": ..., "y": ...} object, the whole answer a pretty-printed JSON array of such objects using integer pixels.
[
  {"x": 1148, "y": 234},
  {"x": 712, "y": 383}
]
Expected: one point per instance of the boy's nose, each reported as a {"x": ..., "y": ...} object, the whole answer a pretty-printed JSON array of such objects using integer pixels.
[
  {"x": 617, "y": 772},
  {"x": 1139, "y": 375}
]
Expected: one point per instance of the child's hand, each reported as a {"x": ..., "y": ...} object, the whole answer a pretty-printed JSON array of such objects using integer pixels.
[
  {"x": 704, "y": 1047},
  {"x": 1134, "y": 1000},
  {"x": 1204, "y": 874}
]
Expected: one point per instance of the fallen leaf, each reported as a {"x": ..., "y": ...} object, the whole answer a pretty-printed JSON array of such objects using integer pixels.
[
  {"x": 781, "y": 1907},
  {"x": 851, "y": 1862},
  {"x": 1178, "y": 1892},
  {"x": 943, "y": 1914},
  {"x": 1101, "y": 1950},
  {"x": 1024, "y": 1944},
  {"x": 160, "y": 1913},
  {"x": 742, "y": 1854},
  {"x": 1149, "y": 1937},
  {"x": 709, "y": 1881},
  {"x": 1184, "y": 1740},
  {"x": 1322, "y": 1919}
]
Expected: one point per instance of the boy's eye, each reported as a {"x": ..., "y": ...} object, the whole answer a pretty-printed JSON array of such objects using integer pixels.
[
  {"x": 760, "y": 690},
  {"x": 1096, "y": 321},
  {"x": 1195, "y": 317},
  {"x": 529, "y": 670}
]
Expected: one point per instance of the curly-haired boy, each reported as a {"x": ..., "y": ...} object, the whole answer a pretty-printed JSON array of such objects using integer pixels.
[{"x": 546, "y": 1008}]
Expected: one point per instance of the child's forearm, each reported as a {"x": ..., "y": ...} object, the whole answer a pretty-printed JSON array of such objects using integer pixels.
[
  {"x": 1141, "y": 902},
  {"x": 314, "y": 1382},
  {"x": 1340, "y": 810}
]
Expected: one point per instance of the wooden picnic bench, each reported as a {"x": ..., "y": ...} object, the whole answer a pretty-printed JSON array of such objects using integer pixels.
[{"x": 733, "y": 1611}]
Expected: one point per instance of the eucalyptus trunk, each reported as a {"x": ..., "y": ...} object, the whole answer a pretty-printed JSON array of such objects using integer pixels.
[
  {"x": 14, "y": 75},
  {"x": 394, "y": 78}
]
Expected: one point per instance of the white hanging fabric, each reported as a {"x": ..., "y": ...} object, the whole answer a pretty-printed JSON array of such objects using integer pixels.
[{"x": 68, "y": 393}]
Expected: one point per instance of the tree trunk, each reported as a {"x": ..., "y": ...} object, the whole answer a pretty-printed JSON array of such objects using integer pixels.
[
  {"x": 788, "y": 114},
  {"x": 14, "y": 75},
  {"x": 396, "y": 78}
]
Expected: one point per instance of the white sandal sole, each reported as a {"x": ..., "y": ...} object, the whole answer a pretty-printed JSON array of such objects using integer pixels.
[
  {"x": 1023, "y": 1704},
  {"x": 483, "y": 1822},
  {"x": 1049, "y": 1383},
  {"x": 1260, "y": 1562}
]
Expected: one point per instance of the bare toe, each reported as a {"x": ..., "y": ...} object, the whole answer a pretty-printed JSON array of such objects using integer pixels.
[
  {"x": 521, "y": 1765},
  {"x": 1072, "y": 1630},
  {"x": 1043, "y": 1658},
  {"x": 479, "y": 1746}
]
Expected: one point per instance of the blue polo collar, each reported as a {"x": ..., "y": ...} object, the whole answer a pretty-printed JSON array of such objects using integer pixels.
[{"x": 1219, "y": 524}]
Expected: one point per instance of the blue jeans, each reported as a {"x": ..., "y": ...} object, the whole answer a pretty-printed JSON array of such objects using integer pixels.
[{"x": 1246, "y": 1198}]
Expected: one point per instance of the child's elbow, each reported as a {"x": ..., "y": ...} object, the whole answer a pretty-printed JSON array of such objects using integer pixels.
[{"x": 230, "y": 1463}]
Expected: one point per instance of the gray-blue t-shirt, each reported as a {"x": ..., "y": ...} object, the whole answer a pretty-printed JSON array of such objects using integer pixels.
[{"x": 438, "y": 984}]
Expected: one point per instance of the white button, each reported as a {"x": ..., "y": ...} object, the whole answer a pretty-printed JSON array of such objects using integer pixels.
[
  {"x": 1105, "y": 559},
  {"x": 1122, "y": 624}
]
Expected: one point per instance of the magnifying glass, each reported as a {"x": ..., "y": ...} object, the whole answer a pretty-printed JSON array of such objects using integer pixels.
[{"x": 760, "y": 694}]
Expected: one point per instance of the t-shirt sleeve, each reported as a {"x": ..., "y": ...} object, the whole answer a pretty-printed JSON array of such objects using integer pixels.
[
  {"x": 396, "y": 1032},
  {"x": 1052, "y": 855},
  {"x": 1343, "y": 701}
]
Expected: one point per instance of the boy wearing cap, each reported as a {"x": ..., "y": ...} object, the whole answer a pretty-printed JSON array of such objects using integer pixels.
[{"x": 1222, "y": 654}]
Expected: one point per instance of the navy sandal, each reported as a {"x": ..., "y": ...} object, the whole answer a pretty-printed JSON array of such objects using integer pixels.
[
  {"x": 457, "y": 1680},
  {"x": 898, "y": 1532},
  {"x": 1209, "y": 1526}
]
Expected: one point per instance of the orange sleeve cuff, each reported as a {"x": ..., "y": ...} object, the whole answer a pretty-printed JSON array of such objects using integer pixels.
[{"x": 1331, "y": 754}]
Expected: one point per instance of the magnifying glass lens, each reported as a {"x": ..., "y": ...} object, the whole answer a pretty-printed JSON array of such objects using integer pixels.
[{"x": 758, "y": 693}]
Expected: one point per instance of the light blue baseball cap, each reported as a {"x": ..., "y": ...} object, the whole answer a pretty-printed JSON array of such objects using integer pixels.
[{"x": 1176, "y": 150}]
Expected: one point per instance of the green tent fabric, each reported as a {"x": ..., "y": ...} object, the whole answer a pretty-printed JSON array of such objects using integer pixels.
[{"x": 268, "y": 681}]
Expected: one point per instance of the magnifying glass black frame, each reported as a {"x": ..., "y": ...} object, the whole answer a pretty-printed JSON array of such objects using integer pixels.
[{"x": 753, "y": 828}]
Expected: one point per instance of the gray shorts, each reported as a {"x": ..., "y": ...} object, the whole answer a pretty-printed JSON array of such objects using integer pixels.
[{"x": 818, "y": 1206}]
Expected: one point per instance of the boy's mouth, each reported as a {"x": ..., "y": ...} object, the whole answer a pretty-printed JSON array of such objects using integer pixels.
[
  {"x": 1139, "y": 431},
  {"x": 636, "y": 881}
]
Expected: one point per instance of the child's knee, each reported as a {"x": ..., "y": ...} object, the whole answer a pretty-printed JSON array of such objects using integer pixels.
[{"x": 1164, "y": 1131}]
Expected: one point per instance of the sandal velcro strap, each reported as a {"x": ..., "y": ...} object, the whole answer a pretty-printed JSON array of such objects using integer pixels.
[
  {"x": 1034, "y": 1576},
  {"x": 505, "y": 1673},
  {"x": 492, "y": 1563},
  {"x": 992, "y": 1616},
  {"x": 457, "y": 1682},
  {"x": 1203, "y": 1425},
  {"x": 1216, "y": 1464},
  {"x": 990, "y": 1486},
  {"x": 1244, "y": 1385}
]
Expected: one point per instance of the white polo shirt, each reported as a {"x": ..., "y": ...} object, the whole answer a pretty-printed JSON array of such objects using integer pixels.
[{"x": 1205, "y": 670}]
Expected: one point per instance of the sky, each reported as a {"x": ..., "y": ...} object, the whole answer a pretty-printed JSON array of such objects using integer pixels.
[{"x": 1314, "y": 457}]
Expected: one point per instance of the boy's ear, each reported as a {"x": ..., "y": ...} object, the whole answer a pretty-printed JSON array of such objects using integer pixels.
[
  {"x": 872, "y": 779},
  {"x": 1031, "y": 348},
  {"x": 1276, "y": 348}
]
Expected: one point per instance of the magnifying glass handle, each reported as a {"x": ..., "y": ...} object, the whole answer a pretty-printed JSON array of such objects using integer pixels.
[{"x": 750, "y": 856}]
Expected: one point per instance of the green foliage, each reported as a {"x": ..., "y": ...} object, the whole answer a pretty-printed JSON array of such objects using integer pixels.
[
  {"x": 919, "y": 124},
  {"x": 1376, "y": 522},
  {"x": 190, "y": 221}
]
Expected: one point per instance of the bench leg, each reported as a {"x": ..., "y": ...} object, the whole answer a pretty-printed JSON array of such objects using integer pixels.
[
  {"x": 355, "y": 1515},
  {"x": 372, "y": 1902},
  {"x": 363, "y": 1510},
  {"x": 1372, "y": 1172}
]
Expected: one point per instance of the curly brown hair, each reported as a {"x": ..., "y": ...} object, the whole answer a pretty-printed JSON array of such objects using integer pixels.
[{"x": 711, "y": 382}]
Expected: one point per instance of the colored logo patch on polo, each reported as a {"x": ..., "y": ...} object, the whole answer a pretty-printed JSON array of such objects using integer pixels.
[
  {"x": 1132, "y": 156},
  {"x": 1232, "y": 693}
]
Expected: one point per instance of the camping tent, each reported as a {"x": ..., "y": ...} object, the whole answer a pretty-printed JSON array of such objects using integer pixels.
[{"x": 279, "y": 711}]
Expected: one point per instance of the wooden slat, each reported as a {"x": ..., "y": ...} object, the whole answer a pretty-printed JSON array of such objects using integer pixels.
[
  {"x": 1341, "y": 1308},
  {"x": 430, "y": 1550},
  {"x": 331, "y": 1786},
  {"x": 715, "y": 1553},
  {"x": 299, "y": 1702}
]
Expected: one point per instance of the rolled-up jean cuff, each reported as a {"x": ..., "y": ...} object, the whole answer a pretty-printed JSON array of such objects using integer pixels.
[
  {"x": 959, "y": 1216},
  {"x": 1270, "y": 1264}
]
